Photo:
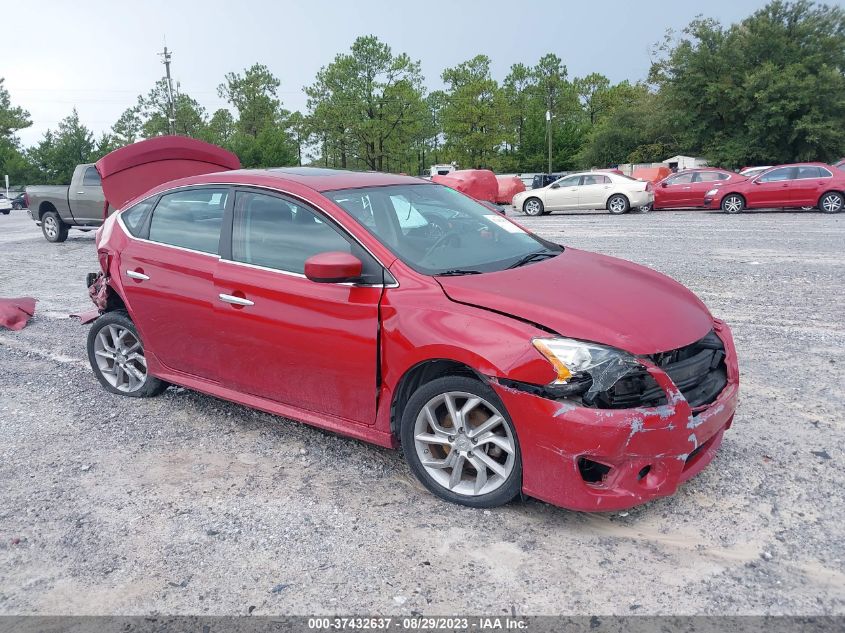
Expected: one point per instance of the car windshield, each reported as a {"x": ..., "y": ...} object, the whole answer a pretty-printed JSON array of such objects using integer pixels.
[{"x": 438, "y": 231}]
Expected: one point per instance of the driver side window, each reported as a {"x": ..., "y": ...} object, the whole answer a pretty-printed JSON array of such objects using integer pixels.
[
  {"x": 569, "y": 181},
  {"x": 776, "y": 175}
]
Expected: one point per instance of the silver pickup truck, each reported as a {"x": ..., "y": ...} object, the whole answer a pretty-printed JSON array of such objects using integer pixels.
[{"x": 57, "y": 209}]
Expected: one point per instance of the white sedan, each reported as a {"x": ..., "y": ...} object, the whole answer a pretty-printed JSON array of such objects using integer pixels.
[
  {"x": 587, "y": 190},
  {"x": 5, "y": 204}
]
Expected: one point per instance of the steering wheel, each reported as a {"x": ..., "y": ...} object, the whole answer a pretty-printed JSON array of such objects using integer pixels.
[{"x": 443, "y": 239}]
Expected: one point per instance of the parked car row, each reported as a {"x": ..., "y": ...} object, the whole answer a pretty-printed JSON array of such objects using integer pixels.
[{"x": 802, "y": 185}]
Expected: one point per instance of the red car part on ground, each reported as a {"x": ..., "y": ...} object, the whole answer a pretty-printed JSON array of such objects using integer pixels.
[
  {"x": 785, "y": 186},
  {"x": 16, "y": 313},
  {"x": 651, "y": 174},
  {"x": 686, "y": 189},
  {"x": 580, "y": 379},
  {"x": 509, "y": 186},
  {"x": 480, "y": 184}
]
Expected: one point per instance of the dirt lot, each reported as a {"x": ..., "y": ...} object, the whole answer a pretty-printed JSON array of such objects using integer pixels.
[{"x": 187, "y": 504}]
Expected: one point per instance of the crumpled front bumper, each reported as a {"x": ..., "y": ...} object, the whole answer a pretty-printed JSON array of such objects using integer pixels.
[{"x": 649, "y": 451}]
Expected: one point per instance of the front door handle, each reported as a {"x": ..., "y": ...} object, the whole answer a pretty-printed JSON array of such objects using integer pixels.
[
  {"x": 238, "y": 301},
  {"x": 136, "y": 275},
  {"x": 80, "y": 193}
]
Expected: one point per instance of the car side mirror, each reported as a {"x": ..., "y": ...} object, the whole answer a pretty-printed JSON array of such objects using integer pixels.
[
  {"x": 664, "y": 184},
  {"x": 555, "y": 185},
  {"x": 756, "y": 182},
  {"x": 333, "y": 267}
]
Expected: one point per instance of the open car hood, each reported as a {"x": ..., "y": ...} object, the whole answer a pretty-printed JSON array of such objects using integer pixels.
[
  {"x": 133, "y": 170},
  {"x": 591, "y": 297}
]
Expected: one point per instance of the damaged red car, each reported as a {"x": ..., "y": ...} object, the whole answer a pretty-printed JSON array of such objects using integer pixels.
[{"x": 403, "y": 313}]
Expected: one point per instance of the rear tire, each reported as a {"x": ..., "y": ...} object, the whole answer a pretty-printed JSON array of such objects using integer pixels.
[
  {"x": 733, "y": 203},
  {"x": 53, "y": 228},
  {"x": 533, "y": 207},
  {"x": 488, "y": 460},
  {"x": 618, "y": 204},
  {"x": 116, "y": 354},
  {"x": 6, "y": 211},
  {"x": 831, "y": 202}
]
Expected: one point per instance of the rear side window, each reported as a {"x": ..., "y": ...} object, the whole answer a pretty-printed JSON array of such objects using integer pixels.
[
  {"x": 91, "y": 178},
  {"x": 135, "y": 217},
  {"x": 813, "y": 171},
  {"x": 595, "y": 179},
  {"x": 680, "y": 179},
  {"x": 710, "y": 176},
  {"x": 281, "y": 234},
  {"x": 190, "y": 219}
]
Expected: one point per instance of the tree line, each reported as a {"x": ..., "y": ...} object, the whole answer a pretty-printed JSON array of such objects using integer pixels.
[{"x": 769, "y": 89}]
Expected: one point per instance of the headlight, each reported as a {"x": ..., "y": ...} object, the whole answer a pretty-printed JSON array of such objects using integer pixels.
[
  {"x": 576, "y": 361},
  {"x": 712, "y": 192}
]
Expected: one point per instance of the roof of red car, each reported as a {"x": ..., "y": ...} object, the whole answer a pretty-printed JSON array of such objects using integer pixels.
[{"x": 316, "y": 178}]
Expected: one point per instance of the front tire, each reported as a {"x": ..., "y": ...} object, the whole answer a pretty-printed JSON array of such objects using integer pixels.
[
  {"x": 618, "y": 204},
  {"x": 461, "y": 444},
  {"x": 733, "y": 203},
  {"x": 116, "y": 354},
  {"x": 53, "y": 228},
  {"x": 533, "y": 207},
  {"x": 831, "y": 202}
]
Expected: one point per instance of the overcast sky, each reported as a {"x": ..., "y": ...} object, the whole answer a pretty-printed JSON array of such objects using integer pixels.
[{"x": 98, "y": 56}]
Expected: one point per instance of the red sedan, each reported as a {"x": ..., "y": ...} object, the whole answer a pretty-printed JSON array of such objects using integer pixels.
[
  {"x": 804, "y": 185},
  {"x": 686, "y": 189},
  {"x": 403, "y": 313}
]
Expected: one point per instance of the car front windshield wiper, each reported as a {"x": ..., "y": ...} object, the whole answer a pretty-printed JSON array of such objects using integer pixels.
[
  {"x": 531, "y": 257},
  {"x": 457, "y": 271}
]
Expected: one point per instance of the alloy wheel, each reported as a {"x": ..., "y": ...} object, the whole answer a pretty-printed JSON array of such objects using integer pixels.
[
  {"x": 120, "y": 358},
  {"x": 464, "y": 443},
  {"x": 831, "y": 203},
  {"x": 533, "y": 207},
  {"x": 733, "y": 204},
  {"x": 51, "y": 227},
  {"x": 617, "y": 204}
]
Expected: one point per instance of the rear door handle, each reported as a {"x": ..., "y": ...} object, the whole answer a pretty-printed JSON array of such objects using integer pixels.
[
  {"x": 136, "y": 275},
  {"x": 238, "y": 301},
  {"x": 80, "y": 193}
]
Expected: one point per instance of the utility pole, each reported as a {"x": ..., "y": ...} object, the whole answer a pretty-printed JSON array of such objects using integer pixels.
[
  {"x": 171, "y": 115},
  {"x": 549, "y": 133}
]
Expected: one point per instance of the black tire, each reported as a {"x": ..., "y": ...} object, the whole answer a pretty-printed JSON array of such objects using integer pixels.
[
  {"x": 533, "y": 207},
  {"x": 733, "y": 203},
  {"x": 618, "y": 204},
  {"x": 831, "y": 202},
  {"x": 6, "y": 211},
  {"x": 151, "y": 385},
  {"x": 507, "y": 490},
  {"x": 53, "y": 228}
]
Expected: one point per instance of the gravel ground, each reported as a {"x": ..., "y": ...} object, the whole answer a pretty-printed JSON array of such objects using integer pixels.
[{"x": 188, "y": 504}]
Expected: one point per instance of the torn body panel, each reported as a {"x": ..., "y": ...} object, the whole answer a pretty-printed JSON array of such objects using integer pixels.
[{"x": 15, "y": 313}]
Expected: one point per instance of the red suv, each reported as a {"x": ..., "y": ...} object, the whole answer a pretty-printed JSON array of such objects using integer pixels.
[
  {"x": 401, "y": 312},
  {"x": 686, "y": 189},
  {"x": 804, "y": 185}
]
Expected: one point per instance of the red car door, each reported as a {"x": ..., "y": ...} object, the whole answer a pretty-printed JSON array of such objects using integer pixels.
[
  {"x": 810, "y": 183},
  {"x": 284, "y": 337},
  {"x": 771, "y": 188},
  {"x": 704, "y": 181},
  {"x": 674, "y": 191},
  {"x": 168, "y": 279}
]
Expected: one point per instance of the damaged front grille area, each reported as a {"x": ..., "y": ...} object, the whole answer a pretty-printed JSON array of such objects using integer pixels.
[{"x": 698, "y": 370}]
